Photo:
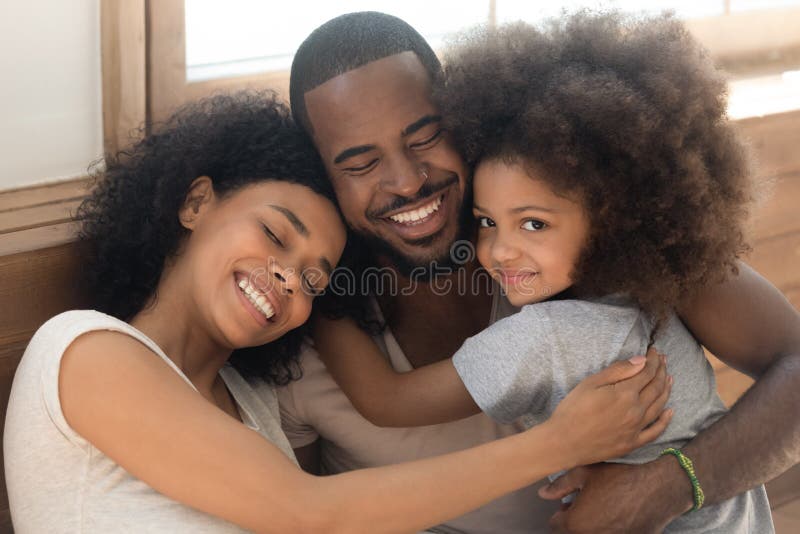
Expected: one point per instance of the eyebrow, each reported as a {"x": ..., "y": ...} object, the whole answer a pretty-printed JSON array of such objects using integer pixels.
[
  {"x": 420, "y": 123},
  {"x": 294, "y": 219},
  {"x": 520, "y": 209},
  {"x": 353, "y": 151}
]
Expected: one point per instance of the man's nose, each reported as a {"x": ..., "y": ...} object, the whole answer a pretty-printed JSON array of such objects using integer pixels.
[{"x": 404, "y": 177}]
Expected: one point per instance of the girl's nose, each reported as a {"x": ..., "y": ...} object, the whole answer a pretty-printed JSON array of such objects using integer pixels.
[{"x": 504, "y": 252}]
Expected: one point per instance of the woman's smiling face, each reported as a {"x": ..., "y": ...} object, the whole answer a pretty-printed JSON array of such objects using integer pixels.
[
  {"x": 256, "y": 258},
  {"x": 529, "y": 237}
]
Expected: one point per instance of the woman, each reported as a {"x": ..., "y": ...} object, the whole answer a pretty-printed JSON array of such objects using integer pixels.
[{"x": 213, "y": 235}]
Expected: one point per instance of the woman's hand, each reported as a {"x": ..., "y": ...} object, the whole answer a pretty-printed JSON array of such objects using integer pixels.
[{"x": 615, "y": 411}]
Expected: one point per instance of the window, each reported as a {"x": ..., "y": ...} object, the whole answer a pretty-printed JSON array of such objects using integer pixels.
[{"x": 195, "y": 47}]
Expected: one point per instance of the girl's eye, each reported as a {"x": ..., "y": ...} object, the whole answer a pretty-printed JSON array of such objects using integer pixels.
[
  {"x": 485, "y": 222},
  {"x": 272, "y": 235},
  {"x": 534, "y": 225},
  {"x": 362, "y": 169},
  {"x": 430, "y": 141}
]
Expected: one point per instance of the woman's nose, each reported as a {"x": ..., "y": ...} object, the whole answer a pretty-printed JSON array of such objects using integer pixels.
[{"x": 286, "y": 279}]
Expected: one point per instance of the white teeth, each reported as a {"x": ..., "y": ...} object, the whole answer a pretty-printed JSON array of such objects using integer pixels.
[
  {"x": 257, "y": 299},
  {"x": 419, "y": 213}
]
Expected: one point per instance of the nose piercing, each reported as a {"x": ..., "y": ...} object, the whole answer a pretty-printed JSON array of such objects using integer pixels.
[{"x": 423, "y": 172}]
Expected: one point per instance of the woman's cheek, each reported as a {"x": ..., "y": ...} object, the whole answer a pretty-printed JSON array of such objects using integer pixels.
[{"x": 301, "y": 311}]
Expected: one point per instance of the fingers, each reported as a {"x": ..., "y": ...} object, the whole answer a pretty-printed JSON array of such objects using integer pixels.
[
  {"x": 655, "y": 388},
  {"x": 652, "y": 365},
  {"x": 617, "y": 371},
  {"x": 657, "y": 405},
  {"x": 653, "y": 431},
  {"x": 569, "y": 482}
]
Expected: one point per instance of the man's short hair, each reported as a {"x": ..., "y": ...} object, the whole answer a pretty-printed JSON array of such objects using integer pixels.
[{"x": 346, "y": 43}]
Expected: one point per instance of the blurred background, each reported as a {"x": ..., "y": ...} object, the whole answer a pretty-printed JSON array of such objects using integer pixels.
[{"x": 81, "y": 78}]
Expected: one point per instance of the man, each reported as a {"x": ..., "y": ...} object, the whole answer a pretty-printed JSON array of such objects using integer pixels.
[{"x": 361, "y": 86}]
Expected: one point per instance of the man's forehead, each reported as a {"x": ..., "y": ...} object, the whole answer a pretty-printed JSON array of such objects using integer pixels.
[{"x": 357, "y": 96}]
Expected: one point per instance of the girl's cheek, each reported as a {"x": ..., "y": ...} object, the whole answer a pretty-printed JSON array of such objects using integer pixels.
[{"x": 482, "y": 252}]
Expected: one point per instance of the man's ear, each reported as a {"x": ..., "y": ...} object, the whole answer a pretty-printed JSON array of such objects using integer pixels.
[{"x": 198, "y": 198}]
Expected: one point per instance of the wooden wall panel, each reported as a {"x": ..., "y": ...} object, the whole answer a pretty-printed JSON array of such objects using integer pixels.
[{"x": 34, "y": 286}]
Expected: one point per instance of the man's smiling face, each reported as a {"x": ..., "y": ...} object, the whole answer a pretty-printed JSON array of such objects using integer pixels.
[{"x": 398, "y": 179}]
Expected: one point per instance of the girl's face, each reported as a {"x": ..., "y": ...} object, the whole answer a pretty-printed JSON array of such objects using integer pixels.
[
  {"x": 529, "y": 237},
  {"x": 255, "y": 260}
]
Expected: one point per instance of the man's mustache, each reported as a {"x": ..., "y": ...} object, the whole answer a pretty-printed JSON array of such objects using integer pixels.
[{"x": 427, "y": 190}]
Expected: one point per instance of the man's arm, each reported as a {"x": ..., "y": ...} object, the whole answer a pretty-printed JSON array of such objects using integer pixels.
[
  {"x": 747, "y": 323},
  {"x": 750, "y": 326}
]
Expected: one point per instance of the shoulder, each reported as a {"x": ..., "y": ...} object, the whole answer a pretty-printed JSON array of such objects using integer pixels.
[
  {"x": 74, "y": 322},
  {"x": 52, "y": 340}
]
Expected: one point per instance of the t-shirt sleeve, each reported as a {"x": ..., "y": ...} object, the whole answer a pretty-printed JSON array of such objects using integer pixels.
[{"x": 507, "y": 367}]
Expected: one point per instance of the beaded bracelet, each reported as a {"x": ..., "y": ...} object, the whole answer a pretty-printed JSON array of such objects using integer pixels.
[{"x": 688, "y": 466}]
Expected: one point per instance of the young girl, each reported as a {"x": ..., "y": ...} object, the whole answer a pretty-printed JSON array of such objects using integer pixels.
[
  {"x": 211, "y": 235},
  {"x": 607, "y": 185}
]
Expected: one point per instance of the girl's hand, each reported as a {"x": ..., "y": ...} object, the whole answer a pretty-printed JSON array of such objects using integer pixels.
[{"x": 615, "y": 411}]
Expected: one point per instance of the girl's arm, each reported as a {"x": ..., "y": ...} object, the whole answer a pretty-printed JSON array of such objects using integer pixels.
[
  {"x": 428, "y": 395},
  {"x": 140, "y": 413}
]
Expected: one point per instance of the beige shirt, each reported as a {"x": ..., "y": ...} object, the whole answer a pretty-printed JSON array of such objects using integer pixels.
[{"x": 315, "y": 408}]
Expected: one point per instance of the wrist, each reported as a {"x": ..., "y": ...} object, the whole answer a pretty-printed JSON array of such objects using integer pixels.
[
  {"x": 674, "y": 488},
  {"x": 561, "y": 454}
]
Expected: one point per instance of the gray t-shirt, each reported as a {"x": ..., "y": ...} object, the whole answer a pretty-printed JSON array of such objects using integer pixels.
[
  {"x": 524, "y": 365},
  {"x": 59, "y": 482}
]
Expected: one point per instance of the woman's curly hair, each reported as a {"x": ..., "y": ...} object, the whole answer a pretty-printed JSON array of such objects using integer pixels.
[
  {"x": 130, "y": 221},
  {"x": 630, "y": 114}
]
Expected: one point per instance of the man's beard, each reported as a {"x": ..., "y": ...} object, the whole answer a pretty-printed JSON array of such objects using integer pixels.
[{"x": 415, "y": 268}]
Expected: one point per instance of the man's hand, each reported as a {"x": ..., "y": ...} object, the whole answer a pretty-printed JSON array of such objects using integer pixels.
[{"x": 619, "y": 498}]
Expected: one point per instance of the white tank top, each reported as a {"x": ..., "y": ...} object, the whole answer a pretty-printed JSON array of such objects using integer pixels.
[{"x": 58, "y": 482}]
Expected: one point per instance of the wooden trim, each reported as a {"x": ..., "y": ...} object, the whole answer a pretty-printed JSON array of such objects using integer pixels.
[
  {"x": 166, "y": 57},
  {"x": 122, "y": 31},
  {"x": 38, "y": 195},
  {"x": 39, "y": 217}
]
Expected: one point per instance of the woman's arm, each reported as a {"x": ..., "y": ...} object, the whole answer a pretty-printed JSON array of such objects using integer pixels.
[
  {"x": 428, "y": 395},
  {"x": 140, "y": 413}
]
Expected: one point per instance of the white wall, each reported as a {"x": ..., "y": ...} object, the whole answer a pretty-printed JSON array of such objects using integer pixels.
[{"x": 50, "y": 90}]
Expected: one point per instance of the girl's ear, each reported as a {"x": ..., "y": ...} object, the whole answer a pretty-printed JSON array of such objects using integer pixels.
[{"x": 199, "y": 197}]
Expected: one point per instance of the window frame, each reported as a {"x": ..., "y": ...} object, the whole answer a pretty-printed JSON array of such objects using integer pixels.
[{"x": 167, "y": 86}]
